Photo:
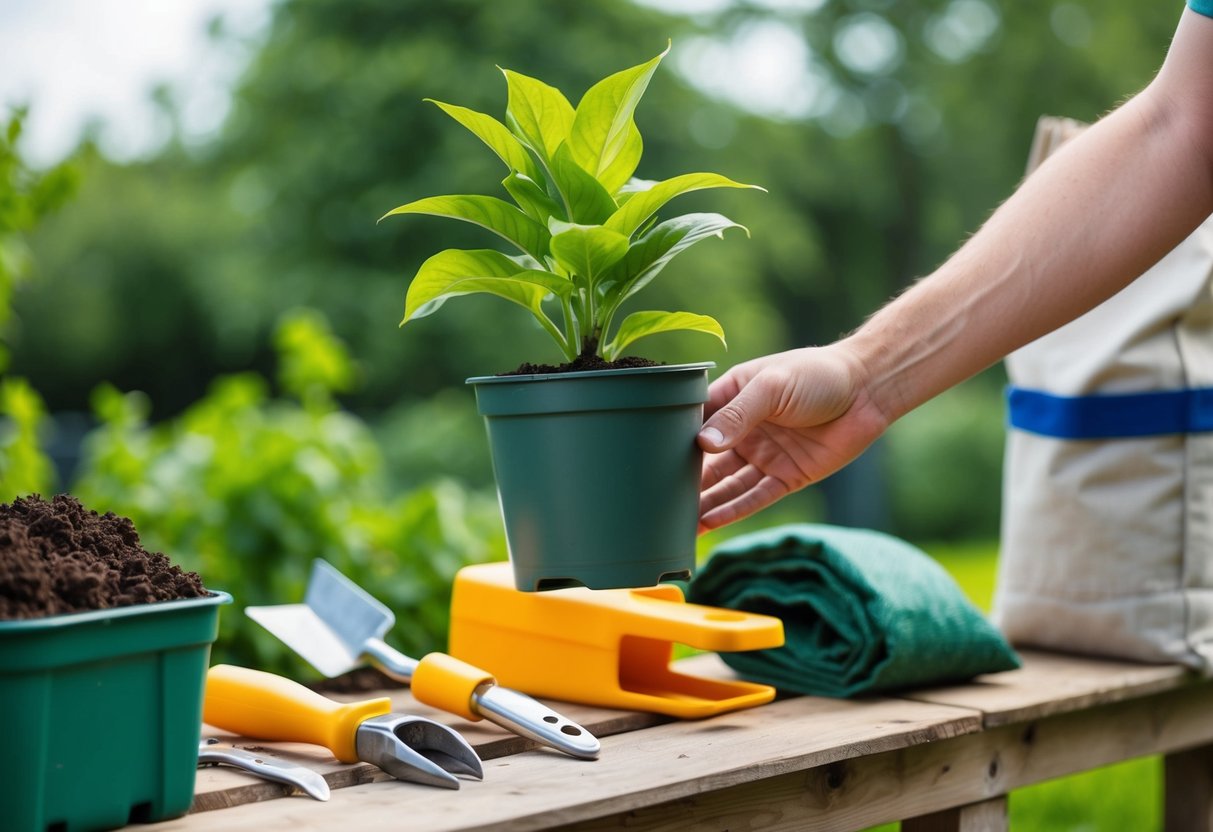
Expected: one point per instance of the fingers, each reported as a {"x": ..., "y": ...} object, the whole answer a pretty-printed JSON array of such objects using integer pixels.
[
  {"x": 723, "y": 483},
  {"x": 718, "y": 466},
  {"x": 733, "y": 489},
  {"x": 721, "y": 392},
  {"x": 742, "y": 411},
  {"x": 717, "y": 508}
]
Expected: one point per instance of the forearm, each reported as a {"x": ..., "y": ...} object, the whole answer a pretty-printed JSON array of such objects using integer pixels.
[{"x": 1086, "y": 223}]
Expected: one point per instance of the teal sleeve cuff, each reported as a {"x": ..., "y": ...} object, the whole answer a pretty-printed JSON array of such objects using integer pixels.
[{"x": 1204, "y": 7}]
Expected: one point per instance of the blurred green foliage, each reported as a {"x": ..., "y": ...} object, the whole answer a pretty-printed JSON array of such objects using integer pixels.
[
  {"x": 247, "y": 490},
  {"x": 26, "y": 198},
  {"x": 25, "y": 467},
  {"x": 242, "y": 487},
  {"x": 938, "y": 492},
  {"x": 912, "y": 120}
]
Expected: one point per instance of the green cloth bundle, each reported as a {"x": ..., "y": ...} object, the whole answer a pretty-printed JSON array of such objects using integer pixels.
[{"x": 862, "y": 611}]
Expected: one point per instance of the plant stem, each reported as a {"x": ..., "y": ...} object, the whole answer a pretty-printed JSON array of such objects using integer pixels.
[
  {"x": 589, "y": 346},
  {"x": 572, "y": 331},
  {"x": 607, "y": 317},
  {"x": 589, "y": 338}
]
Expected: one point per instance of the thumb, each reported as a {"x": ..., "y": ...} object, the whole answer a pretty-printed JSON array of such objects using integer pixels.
[{"x": 752, "y": 405}]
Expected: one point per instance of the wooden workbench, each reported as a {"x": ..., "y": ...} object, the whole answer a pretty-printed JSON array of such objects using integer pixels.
[{"x": 938, "y": 759}]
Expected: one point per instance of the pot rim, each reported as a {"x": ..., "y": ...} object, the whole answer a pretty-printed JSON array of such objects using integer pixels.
[
  {"x": 612, "y": 373},
  {"x": 214, "y": 597}
]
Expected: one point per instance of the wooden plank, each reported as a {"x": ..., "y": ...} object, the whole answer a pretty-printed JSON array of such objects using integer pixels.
[
  {"x": 932, "y": 777},
  {"x": 1188, "y": 791},
  {"x": 1055, "y": 683},
  {"x": 671, "y": 761},
  {"x": 1048, "y": 684},
  {"x": 221, "y": 787},
  {"x": 987, "y": 816}
]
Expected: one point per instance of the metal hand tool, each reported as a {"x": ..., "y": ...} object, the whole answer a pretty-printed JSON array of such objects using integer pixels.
[
  {"x": 253, "y": 703},
  {"x": 339, "y": 626},
  {"x": 212, "y": 752}
]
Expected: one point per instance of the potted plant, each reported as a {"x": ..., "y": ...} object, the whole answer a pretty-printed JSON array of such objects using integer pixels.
[{"x": 596, "y": 463}]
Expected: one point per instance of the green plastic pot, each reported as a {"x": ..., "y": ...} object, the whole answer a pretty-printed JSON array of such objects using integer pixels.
[
  {"x": 597, "y": 473},
  {"x": 101, "y": 713}
]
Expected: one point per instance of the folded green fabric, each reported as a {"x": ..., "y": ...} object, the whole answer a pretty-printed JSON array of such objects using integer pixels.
[{"x": 862, "y": 611}]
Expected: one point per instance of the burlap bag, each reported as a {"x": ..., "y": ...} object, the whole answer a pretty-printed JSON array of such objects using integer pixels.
[{"x": 1107, "y": 538}]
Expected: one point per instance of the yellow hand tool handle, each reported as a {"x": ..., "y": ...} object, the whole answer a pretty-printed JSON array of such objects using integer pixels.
[
  {"x": 257, "y": 704},
  {"x": 446, "y": 683}
]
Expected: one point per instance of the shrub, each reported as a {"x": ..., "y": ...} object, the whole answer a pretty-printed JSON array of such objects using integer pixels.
[{"x": 248, "y": 489}]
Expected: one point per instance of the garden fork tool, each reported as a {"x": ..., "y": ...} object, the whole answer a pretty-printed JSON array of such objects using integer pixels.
[
  {"x": 339, "y": 625},
  {"x": 261, "y": 705}
]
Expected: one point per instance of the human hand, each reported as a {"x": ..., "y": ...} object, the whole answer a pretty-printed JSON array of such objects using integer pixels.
[{"x": 778, "y": 423}]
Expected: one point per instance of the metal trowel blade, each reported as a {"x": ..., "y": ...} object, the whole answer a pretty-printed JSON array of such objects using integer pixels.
[
  {"x": 350, "y": 612},
  {"x": 299, "y": 628},
  {"x": 330, "y": 627}
]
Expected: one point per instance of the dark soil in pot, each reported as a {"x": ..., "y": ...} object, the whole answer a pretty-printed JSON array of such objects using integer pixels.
[
  {"x": 57, "y": 557},
  {"x": 583, "y": 363}
]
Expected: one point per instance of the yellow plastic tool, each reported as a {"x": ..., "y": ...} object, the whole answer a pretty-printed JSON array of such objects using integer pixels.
[
  {"x": 253, "y": 703},
  {"x": 609, "y": 647}
]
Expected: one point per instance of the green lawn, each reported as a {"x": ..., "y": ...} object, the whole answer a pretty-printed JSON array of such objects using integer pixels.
[{"x": 1116, "y": 798}]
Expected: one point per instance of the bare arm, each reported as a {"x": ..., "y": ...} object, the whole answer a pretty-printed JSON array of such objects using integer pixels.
[
  {"x": 1095, "y": 215},
  {"x": 1098, "y": 213}
]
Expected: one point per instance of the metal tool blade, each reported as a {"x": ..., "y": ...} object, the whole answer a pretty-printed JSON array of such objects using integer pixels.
[
  {"x": 417, "y": 749},
  {"x": 211, "y": 752},
  {"x": 338, "y": 627},
  {"x": 352, "y": 614},
  {"x": 301, "y": 629}
]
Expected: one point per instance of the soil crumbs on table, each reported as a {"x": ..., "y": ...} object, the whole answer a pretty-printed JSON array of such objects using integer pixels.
[
  {"x": 58, "y": 557},
  {"x": 358, "y": 680}
]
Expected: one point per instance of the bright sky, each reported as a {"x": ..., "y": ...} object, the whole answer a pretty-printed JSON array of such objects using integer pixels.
[{"x": 76, "y": 60}]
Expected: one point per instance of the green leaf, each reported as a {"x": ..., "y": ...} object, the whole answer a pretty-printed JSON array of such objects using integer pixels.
[
  {"x": 641, "y": 324},
  {"x": 585, "y": 200},
  {"x": 648, "y": 255},
  {"x": 586, "y": 250},
  {"x": 539, "y": 114},
  {"x": 494, "y": 134},
  {"x": 619, "y": 172},
  {"x": 632, "y": 187},
  {"x": 600, "y": 132},
  {"x": 488, "y": 212},
  {"x": 456, "y": 272},
  {"x": 532, "y": 198},
  {"x": 643, "y": 205}
]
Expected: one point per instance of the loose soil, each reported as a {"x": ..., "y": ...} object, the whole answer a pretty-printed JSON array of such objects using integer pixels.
[
  {"x": 59, "y": 557},
  {"x": 358, "y": 680},
  {"x": 582, "y": 363}
]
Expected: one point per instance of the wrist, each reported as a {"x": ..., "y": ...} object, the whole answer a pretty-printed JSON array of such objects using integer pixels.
[{"x": 872, "y": 362}]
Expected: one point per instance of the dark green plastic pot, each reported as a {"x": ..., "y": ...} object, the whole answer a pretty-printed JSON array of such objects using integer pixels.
[
  {"x": 101, "y": 713},
  {"x": 597, "y": 473}
]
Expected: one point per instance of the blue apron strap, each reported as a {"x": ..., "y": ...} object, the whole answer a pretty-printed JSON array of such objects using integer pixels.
[{"x": 1111, "y": 416}]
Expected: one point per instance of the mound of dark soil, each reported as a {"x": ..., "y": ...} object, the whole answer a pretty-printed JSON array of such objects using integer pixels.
[{"x": 58, "y": 557}]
